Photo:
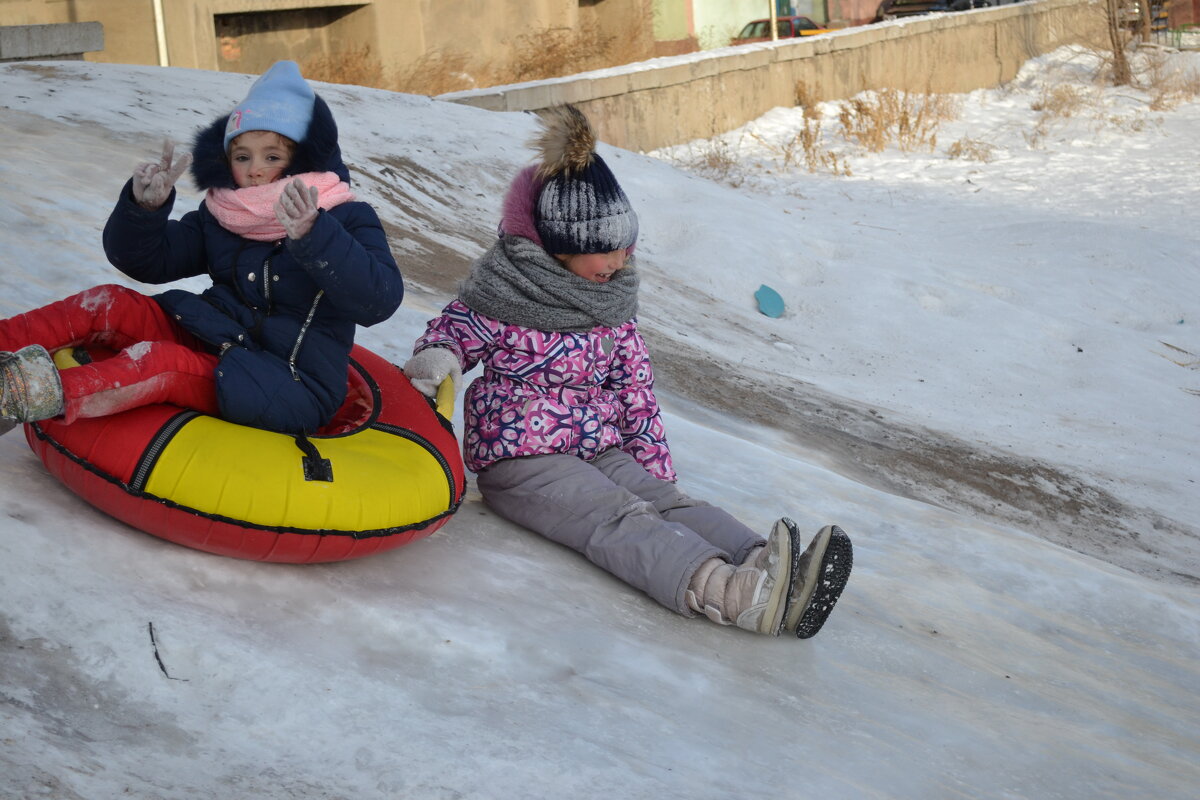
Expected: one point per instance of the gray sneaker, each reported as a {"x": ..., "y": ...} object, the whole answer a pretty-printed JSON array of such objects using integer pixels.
[
  {"x": 761, "y": 587},
  {"x": 820, "y": 575},
  {"x": 752, "y": 595}
]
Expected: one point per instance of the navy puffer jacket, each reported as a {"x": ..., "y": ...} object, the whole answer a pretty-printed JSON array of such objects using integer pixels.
[{"x": 283, "y": 372}]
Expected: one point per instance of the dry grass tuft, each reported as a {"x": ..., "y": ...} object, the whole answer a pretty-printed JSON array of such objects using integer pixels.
[
  {"x": 717, "y": 160},
  {"x": 808, "y": 143},
  {"x": 355, "y": 66},
  {"x": 1055, "y": 102},
  {"x": 435, "y": 72},
  {"x": 564, "y": 51},
  {"x": 972, "y": 150},
  {"x": 1167, "y": 85},
  {"x": 907, "y": 119},
  {"x": 546, "y": 54},
  {"x": 536, "y": 55},
  {"x": 1059, "y": 101}
]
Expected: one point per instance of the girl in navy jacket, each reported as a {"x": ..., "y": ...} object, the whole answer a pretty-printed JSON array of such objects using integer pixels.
[{"x": 296, "y": 264}]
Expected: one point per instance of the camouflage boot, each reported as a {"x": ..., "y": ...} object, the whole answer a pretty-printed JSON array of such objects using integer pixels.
[{"x": 30, "y": 388}]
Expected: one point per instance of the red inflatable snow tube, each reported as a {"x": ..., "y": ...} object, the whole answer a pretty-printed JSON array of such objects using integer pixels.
[{"x": 386, "y": 471}]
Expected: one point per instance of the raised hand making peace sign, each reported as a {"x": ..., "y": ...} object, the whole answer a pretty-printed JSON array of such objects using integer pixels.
[{"x": 152, "y": 183}]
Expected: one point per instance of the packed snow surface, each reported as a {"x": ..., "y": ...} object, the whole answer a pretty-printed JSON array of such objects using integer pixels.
[{"x": 988, "y": 373}]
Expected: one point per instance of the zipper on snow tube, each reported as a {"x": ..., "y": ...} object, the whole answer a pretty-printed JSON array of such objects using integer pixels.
[
  {"x": 416, "y": 438},
  {"x": 153, "y": 450}
]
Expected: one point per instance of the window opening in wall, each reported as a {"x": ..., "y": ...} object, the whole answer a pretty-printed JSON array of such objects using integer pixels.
[{"x": 252, "y": 41}]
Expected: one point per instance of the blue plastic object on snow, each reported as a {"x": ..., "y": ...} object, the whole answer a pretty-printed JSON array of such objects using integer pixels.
[{"x": 769, "y": 301}]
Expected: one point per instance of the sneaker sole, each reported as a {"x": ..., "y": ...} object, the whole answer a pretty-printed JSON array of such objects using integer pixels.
[
  {"x": 797, "y": 603},
  {"x": 832, "y": 574}
]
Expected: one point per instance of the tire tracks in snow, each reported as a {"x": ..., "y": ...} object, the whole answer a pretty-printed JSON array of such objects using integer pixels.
[{"x": 886, "y": 453}]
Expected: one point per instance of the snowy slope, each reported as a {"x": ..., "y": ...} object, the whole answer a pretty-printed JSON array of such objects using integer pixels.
[{"x": 1010, "y": 313}]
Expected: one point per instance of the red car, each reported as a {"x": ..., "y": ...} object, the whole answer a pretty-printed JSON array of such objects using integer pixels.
[{"x": 788, "y": 27}]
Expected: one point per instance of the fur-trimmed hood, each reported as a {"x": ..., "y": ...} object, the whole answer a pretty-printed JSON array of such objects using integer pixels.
[
  {"x": 519, "y": 204},
  {"x": 318, "y": 152}
]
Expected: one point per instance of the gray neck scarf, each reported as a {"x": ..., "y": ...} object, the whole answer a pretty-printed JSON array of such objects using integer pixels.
[{"x": 519, "y": 283}]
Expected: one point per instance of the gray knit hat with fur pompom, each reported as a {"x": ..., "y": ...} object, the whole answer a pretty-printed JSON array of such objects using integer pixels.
[{"x": 581, "y": 207}]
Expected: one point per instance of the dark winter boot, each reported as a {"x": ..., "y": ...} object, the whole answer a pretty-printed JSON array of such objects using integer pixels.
[
  {"x": 30, "y": 388},
  {"x": 820, "y": 575},
  {"x": 751, "y": 596}
]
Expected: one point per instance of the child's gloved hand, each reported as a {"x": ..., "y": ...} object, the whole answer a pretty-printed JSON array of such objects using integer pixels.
[
  {"x": 152, "y": 183},
  {"x": 429, "y": 367},
  {"x": 297, "y": 209}
]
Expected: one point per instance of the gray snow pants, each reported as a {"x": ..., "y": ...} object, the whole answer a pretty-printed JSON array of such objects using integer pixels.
[{"x": 641, "y": 529}]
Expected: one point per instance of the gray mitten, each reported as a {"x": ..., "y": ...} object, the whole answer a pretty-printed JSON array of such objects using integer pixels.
[
  {"x": 152, "y": 183},
  {"x": 297, "y": 209},
  {"x": 429, "y": 367}
]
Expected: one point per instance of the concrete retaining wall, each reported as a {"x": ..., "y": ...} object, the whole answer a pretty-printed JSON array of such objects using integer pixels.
[
  {"x": 675, "y": 100},
  {"x": 62, "y": 42}
]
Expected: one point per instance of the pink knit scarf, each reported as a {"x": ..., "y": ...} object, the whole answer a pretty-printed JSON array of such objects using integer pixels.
[{"x": 250, "y": 212}]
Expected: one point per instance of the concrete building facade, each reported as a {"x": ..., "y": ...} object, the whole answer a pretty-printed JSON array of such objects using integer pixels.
[{"x": 486, "y": 36}]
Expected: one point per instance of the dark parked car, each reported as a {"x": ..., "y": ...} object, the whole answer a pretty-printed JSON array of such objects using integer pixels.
[
  {"x": 788, "y": 27},
  {"x": 891, "y": 9}
]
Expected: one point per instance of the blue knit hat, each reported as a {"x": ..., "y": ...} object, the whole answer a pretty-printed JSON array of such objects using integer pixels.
[
  {"x": 581, "y": 207},
  {"x": 280, "y": 101}
]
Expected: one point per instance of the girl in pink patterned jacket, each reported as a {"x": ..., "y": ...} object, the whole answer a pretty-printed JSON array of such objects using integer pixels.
[{"x": 563, "y": 429}]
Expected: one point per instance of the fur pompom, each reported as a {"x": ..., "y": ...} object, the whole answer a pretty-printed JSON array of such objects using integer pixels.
[{"x": 567, "y": 142}]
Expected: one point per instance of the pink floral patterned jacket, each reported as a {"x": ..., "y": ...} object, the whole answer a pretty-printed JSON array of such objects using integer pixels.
[{"x": 549, "y": 392}]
